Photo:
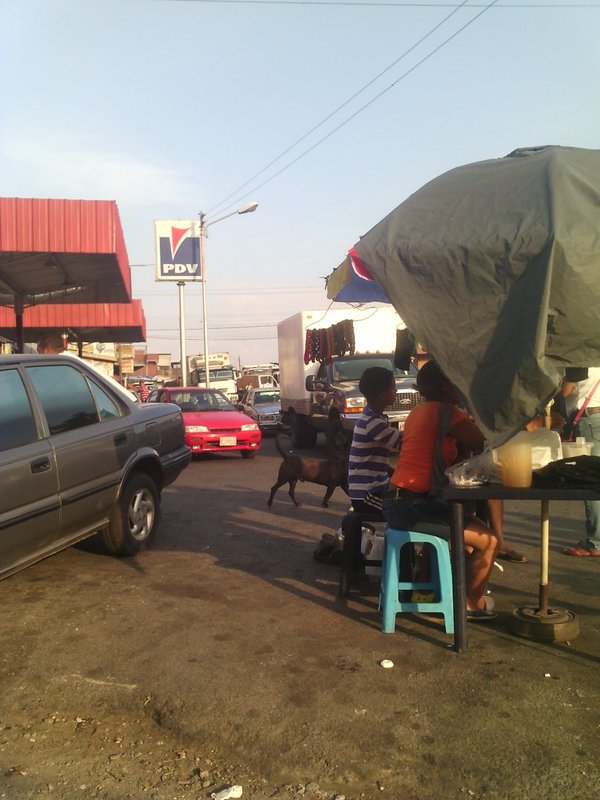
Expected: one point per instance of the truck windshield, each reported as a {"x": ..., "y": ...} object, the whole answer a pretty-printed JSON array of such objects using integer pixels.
[
  {"x": 217, "y": 375},
  {"x": 351, "y": 369}
]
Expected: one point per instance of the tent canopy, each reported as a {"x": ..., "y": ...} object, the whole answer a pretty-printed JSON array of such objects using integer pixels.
[
  {"x": 495, "y": 268},
  {"x": 352, "y": 282}
]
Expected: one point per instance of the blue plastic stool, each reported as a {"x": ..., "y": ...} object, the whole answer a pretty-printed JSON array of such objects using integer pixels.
[{"x": 440, "y": 583}]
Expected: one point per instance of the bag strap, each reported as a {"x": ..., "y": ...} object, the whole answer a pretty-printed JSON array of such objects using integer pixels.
[
  {"x": 581, "y": 411},
  {"x": 438, "y": 477}
]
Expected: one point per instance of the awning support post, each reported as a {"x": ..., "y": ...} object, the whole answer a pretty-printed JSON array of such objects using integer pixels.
[{"x": 19, "y": 323}]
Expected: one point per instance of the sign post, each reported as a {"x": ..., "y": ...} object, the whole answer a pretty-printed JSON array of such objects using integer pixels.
[{"x": 178, "y": 259}]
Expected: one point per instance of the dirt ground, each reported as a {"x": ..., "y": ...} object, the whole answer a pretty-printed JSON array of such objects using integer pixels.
[{"x": 223, "y": 656}]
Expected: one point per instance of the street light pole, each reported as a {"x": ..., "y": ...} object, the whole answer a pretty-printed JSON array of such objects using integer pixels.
[
  {"x": 182, "y": 350},
  {"x": 203, "y": 227},
  {"x": 247, "y": 209}
]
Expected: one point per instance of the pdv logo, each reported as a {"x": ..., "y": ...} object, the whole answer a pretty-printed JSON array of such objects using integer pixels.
[{"x": 177, "y": 250}]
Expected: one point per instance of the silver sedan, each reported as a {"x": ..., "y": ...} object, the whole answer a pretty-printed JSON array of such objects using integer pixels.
[{"x": 264, "y": 406}]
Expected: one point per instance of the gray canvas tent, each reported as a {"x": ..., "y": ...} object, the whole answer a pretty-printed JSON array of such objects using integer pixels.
[{"x": 495, "y": 267}]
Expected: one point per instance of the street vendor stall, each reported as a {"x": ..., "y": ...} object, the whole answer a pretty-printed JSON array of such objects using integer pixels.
[{"x": 494, "y": 267}]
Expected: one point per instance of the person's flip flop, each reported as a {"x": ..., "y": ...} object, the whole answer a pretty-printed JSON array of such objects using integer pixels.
[
  {"x": 581, "y": 552},
  {"x": 512, "y": 555},
  {"x": 481, "y": 615}
]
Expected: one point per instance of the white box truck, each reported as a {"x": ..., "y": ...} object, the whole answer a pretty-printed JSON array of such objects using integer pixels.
[
  {"x": 220, "y": 373},
  {"x": 309, "y": 392}
]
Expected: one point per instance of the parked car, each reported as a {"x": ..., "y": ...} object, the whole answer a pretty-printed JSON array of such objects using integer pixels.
[
  {"x": 78, "y": 457},
  {"x": 263, "y": 406},
  {"x": 212, "y": 423}
]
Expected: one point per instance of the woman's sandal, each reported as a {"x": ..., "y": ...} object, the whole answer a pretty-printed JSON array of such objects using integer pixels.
[
  {"x": 511, "y": 555},
  {"x": 480, "y": 615}
]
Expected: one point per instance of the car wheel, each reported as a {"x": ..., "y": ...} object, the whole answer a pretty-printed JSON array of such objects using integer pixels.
[
  {"x": 247, "y": 453},
  {"x": 134, "y": 519}
]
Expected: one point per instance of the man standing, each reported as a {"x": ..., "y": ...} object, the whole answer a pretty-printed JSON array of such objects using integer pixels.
[
  {"x": 588, "y": 392},
  {"x": 144, "y": 392},
  {"x": 50, "y": 344}
]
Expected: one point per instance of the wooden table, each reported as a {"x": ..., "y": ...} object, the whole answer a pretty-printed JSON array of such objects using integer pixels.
[{"x": 455, "y": 496}]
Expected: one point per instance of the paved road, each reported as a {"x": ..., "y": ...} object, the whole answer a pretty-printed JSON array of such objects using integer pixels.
[{"x": 222, "y": 655}]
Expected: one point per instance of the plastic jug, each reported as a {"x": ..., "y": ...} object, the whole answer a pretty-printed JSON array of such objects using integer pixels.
[
  {"x": 515, "y": 459},
  {"x": 580, "y": 447},
  {"x": 545, "y": 447}
]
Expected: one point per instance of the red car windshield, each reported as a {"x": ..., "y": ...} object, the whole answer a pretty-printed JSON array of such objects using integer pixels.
[{"x": 200, "y": 400}]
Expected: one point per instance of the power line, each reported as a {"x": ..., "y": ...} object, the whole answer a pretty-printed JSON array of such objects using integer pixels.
[
  {"x": 370, "y": 3},
  {"x": 340, "y": 107},
  {"x": 219, "y": 327},
  {"x": 245, "y": 292},
  {"x": 216, "y": 338},
  {"x": 366, "y": 105}
]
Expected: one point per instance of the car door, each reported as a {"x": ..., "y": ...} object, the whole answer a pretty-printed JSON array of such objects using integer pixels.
[
  {"x": 29, "y": 500},
  {"x": 92, "y": 438}
]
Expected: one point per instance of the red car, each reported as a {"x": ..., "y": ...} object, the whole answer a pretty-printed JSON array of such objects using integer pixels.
[{"x": 212, "y": 424}]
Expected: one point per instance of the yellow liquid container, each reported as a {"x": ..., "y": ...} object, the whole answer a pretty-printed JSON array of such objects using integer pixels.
[{"x": 515, "y": 459}]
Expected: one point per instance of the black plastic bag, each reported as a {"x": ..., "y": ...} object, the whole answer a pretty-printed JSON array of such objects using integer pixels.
[{"x": 579, "y": 472}]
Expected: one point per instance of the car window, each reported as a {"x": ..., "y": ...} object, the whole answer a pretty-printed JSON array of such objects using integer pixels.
[
  {"x": 266, "y": 396},
  {"x": 107, "y": 408},
  {"x": 17, "y": 424},
  {"x": 200, "y": 400},
  {"x": 65, "y": 397}
]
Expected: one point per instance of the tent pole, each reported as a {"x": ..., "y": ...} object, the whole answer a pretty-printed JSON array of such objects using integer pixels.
[{"x": 19, "y": 323}]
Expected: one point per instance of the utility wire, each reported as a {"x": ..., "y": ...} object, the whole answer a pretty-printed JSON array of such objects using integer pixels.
[
  {"x": 366, "y": 105},
  {"x": 370, "y": 3},
  {"x": 340, "y": 107}
]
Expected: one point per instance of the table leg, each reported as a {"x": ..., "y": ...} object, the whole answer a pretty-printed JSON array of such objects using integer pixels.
[
  {"x": 545, "y": 546},
  {"x": 459, "y": 577}
]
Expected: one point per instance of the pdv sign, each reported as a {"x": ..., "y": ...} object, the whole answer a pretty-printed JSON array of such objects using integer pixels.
[{"x": 177, "y": 250}]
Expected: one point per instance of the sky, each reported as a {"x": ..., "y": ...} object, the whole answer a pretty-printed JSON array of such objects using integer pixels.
[{"x": 175, "y": 107}]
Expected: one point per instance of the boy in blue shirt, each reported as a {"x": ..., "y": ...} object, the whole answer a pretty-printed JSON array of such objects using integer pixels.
[{"x": 373, "y": 441}]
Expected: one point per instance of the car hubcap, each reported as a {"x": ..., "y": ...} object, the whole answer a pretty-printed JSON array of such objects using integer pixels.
[{"x": 141, "y": 514}]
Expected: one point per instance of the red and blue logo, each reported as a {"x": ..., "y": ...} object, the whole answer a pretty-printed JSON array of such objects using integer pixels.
[{"x": 177, "y": 251}]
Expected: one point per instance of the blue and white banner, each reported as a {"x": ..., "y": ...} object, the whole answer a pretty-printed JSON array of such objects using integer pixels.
[{"x": 177, "y": 250}]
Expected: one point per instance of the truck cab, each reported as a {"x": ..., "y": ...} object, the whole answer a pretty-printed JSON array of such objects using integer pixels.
[{"x": 335, "y": 386}]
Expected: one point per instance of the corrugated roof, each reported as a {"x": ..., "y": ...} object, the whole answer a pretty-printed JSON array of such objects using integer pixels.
[
  {"x": 91, "y": 322},
  {"x": 52, "y": 249}
]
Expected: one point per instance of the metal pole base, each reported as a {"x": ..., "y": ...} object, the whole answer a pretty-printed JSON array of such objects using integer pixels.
[{"x": 553, "y": 625}]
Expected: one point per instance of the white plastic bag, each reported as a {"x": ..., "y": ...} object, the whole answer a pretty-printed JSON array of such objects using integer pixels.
[
  {"x": 371, "y": 547},
  {"x": 475, "y": 471}
]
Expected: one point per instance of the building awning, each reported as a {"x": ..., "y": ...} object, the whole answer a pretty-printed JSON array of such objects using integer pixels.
[
  {"x": 62, "y": 251},
  {"x": 91, "y": 322}
]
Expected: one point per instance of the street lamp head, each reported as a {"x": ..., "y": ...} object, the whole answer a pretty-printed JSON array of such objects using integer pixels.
[{"x": 248, "y": 208}]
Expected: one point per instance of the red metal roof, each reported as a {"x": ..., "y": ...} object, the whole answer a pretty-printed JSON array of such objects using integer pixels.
[
  {"x": 51, "y": 249},
  {"x": 91, "y": 322}
]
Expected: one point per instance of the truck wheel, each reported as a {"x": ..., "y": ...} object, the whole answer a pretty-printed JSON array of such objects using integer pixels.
[
  {"x": 310, "y": 434},
  {"x": 134, "y": 519},
  {"x": 297, "y": 430}
]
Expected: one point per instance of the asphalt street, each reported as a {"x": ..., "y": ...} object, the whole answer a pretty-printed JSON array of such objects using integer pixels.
[{"x": 223, "y": 655}]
